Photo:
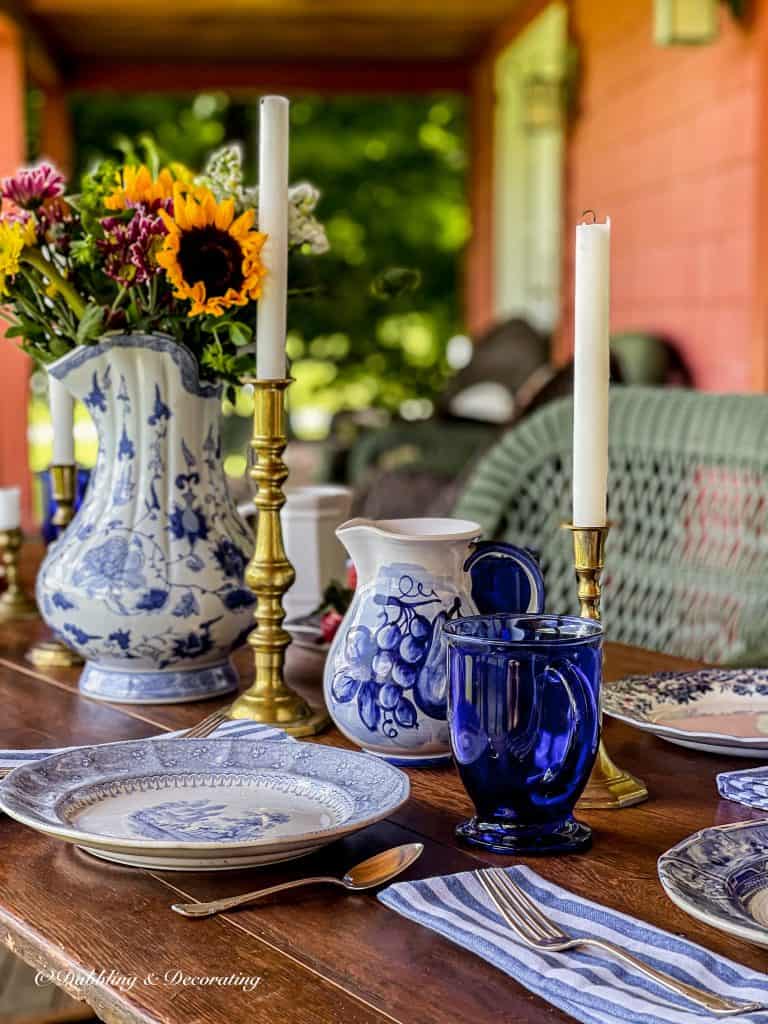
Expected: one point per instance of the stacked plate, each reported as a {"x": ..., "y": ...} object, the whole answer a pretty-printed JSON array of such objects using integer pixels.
[
  {"x": 722, "y": 711},
  {"x": 208, "y": 804},
  {"x": 720, "y": 876}
]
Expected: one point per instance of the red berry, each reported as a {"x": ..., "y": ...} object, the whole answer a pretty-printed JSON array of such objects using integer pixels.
[
  {"x": 351, "y": 577},
  {"x": 329, "y": 624}
]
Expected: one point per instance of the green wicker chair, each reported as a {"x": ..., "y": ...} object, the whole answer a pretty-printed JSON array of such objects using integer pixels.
[{"x": 687, "y": 557}]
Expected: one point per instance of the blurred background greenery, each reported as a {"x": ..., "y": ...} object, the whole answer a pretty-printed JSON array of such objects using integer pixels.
[{"x": 392, "y": 176}]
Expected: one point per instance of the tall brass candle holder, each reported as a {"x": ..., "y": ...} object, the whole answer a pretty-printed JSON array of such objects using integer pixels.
[
  {"x": 53, "y": 653},
  {"x": 14, "y": 603},
  {"x": 269, "y": 575},
  {"x": 609, "y": 787}
]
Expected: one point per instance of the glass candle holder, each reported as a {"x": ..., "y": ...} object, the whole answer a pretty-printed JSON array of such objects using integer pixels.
[{"x": 523, "y": 712}]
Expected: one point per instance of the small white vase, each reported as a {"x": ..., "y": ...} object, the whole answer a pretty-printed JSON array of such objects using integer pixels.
[
  {"x": 309, "y": 519},
  {"x": 146, "y": 583}
]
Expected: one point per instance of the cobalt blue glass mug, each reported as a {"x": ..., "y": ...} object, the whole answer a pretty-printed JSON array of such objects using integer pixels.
[{"x": 524, "y": 720}]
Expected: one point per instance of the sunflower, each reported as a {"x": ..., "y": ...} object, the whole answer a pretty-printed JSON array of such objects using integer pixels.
[
  {"x": 210, "y": 257},
  {"x": 14, "y": 235},
  {"x": 136, "y": 185}
]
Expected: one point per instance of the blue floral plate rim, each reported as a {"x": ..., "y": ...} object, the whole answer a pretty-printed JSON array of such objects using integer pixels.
[
  {"x": 714, "y": 873},
  {"x": 33, "y": 794},
  {"x": 634, "y": 698}
]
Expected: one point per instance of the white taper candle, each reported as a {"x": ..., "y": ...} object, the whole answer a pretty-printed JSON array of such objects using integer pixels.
[
  {"x": 10, "y": 508},
  {"x": 62, "y": 420},
  {"x": 273, "y": 221},
  {"x": 591, "y": 373}
]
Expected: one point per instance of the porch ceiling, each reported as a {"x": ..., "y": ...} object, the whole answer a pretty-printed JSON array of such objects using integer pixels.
[{"x": 221, "y": 31}]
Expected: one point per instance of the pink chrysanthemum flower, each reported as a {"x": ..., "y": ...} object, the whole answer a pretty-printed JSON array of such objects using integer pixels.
[
  {"x": 128, "y": 248},
  {"x": 32, "y": 186},
  {"x": 13, "y": 215}
]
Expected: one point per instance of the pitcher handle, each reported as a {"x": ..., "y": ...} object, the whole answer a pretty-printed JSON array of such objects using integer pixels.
[{"x": 504, "y": 578}]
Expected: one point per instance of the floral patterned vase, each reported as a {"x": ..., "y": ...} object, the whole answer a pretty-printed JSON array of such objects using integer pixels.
[{"x": 147, "y": 581}]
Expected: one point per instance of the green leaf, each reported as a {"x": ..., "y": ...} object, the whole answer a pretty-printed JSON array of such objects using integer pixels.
[
  {"x": 336, "y": 597},
  {"x": 84, "y": 251},
  {"x": 394, "y": 282},
  {"x": 240, "y": 334},
  {"x": 90, "y": 324},
  {"x": 59, "y": 347}
]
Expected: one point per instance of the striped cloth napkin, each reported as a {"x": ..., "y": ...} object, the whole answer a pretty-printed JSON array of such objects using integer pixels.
[
  {"x": 748, "y": 786},
  {"x": 594, "y": 988},
  {"x": 241, "y": 729}
]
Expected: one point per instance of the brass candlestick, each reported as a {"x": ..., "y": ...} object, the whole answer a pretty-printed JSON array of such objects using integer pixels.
[
  {"x": 53, "y": 653},
  {"x": 609, "y": 787},
  {"x": 270, "y": 574},
  {"x": 14, "y": 603}
]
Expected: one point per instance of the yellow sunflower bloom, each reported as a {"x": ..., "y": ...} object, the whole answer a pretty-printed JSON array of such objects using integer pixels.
[
  {"x": 136, "y": 185},
  {"x": 14, "y": 235},
  {"x": 211, "y": 258}
]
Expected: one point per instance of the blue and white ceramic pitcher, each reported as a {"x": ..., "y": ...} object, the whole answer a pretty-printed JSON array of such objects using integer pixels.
[{"x": 385, "y": 676}]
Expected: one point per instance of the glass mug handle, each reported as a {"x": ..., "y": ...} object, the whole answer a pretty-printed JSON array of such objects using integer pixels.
[
  {"x": 504, "y": 578},
  {"x": 583, "y": 709}
]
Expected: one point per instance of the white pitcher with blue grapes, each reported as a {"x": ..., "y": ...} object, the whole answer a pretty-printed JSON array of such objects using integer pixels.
[{"x": 385, "y": 676}]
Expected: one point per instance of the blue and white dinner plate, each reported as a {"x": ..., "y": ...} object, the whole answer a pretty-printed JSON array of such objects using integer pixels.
[
  {"x": 720, "y": 710},
  {"x": 720, "y": 876},
  {"x": 210, "y": 804}
]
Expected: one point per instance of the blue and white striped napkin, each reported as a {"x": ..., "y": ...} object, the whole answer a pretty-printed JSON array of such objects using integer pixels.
[
  {"x": 748, "y": 786},
  {"x": 241, "y": 729},
  {"x": 593, "y": 988}
]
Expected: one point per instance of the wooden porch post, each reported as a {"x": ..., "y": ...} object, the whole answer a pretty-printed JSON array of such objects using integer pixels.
[
  {"x": 479, "y": 287},
  {"x": 14, "y": 365}
]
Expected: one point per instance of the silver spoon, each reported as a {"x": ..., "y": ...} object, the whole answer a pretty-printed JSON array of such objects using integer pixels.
[{"x": 374, "y": 871}]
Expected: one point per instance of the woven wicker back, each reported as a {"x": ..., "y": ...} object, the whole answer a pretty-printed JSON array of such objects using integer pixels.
[{"x": 687, "y": 558}]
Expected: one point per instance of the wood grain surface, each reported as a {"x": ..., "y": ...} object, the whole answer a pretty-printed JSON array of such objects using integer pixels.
[{"x": 322, "y": 956}]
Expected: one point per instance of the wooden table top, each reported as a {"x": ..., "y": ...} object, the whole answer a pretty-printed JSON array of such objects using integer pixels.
[{"x": 322, "y": 955}]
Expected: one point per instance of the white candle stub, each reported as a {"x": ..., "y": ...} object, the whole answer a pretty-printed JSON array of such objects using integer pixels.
[
  {"x": 591, "y": 373},
  {"x": 10, "y": 508},
  {"x": 273, "y": 221},
  {"x": 62, "y": 421}
]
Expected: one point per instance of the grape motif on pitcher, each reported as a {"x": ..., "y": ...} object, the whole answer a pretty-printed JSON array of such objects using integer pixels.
[
  {"x": 384, "y": 680},
  {"x": 394, "y": 668}
]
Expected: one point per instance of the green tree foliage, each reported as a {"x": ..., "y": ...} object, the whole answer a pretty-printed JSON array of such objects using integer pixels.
[{"x": 392, "y": 174}]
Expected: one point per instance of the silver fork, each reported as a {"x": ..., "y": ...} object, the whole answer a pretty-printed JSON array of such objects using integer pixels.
[
  {"x": 537, "y": 931},
  {"x": 203, "y": 728},
  {"x": 207, "y": 725}
]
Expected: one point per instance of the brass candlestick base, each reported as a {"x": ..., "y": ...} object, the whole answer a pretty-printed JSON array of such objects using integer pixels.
[
  {"x": 14, "y": 603},
  {"x": 609, "y": 787},
  {"x": 53, "y": 653},
  {"x": 270, "y": 574}
]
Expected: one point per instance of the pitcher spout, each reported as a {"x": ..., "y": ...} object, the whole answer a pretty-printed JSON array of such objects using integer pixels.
[
  {"x": 355, "y": 524},
  {"x": 437, "y": 544},
  {"x": 357, "y": 537}
]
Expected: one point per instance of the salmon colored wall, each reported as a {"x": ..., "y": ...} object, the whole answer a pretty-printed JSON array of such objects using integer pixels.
[
  {"x": 14, "y": 365},
  {"x": 668, "y": 142}
]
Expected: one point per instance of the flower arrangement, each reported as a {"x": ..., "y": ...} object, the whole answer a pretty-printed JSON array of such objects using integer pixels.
[{"x": 144, "y": 248}]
